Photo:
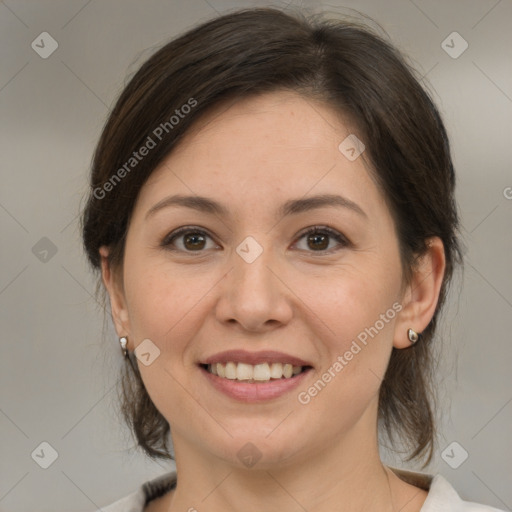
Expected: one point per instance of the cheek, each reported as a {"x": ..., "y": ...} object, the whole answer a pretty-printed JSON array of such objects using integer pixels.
[
  {"x": 160, "y": 305},
  {"x": 355, "y": 316},
  {"x": 352, "y": 300},
  {"x": 165, "y": 309}
]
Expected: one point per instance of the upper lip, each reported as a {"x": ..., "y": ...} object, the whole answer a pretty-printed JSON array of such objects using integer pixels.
[{"x": 265, "y": 356}]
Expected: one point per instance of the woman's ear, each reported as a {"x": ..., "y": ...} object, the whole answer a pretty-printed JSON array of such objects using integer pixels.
[
  {"x": 422, "y": 293},
  {"x": 113, "y": 283}
]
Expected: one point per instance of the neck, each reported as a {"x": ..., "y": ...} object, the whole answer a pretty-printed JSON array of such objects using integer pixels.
[{"x": 346, "y": 475}]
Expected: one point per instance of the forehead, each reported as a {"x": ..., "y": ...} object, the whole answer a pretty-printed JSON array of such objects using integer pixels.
[
  {"x": 266, "y": 148},
  {"x": 270, "y": 124}
]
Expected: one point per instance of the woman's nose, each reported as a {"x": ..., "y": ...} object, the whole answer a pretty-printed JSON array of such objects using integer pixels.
[{"x": 254, "y": 294}]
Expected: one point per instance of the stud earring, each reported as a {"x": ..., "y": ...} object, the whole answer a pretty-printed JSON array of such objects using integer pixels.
[
  {"x": 124, "y": 341},
  {"x": 413, "y": 336}
]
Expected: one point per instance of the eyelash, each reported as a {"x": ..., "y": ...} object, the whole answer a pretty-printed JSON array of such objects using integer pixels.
[{"x": 343, "y": 241}]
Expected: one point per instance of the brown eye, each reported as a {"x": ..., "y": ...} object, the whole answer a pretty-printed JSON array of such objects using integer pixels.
[
  {"x": 318, "y": 239},
  {"x": 192, "y": 240}
]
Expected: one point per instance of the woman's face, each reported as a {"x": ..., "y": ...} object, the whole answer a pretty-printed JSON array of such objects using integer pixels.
[{"x": 247, "y": 279}]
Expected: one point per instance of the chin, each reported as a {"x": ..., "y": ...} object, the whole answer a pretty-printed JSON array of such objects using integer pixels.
[{"x": 258, "y": 451}]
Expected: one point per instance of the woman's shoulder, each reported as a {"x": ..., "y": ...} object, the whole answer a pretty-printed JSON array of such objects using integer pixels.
[
  {"x": 441, "y": 494},
  {"x": 149, "y": 490}
]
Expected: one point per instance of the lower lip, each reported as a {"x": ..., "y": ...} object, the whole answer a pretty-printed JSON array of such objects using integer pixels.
[{"x": 254, "y": 392}]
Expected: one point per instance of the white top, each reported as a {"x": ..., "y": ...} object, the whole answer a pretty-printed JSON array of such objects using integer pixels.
[{"x": 442, "y": 497}]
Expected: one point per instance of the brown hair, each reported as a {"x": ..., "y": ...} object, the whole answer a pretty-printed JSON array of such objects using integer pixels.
[{"x": 347, "y": 66}]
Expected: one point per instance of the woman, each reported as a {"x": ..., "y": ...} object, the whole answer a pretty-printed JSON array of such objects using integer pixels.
[{"x": 272, "y": 212}]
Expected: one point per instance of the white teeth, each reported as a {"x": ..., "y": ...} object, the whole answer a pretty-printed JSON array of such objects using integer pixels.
[
  {"x": 230, "y": 370},
  {"x": 243, "y": 371},
  {"x": 276, "y": 370},
  {"x": 287, "y": 371},
  {"x": 260, "y": 372}
]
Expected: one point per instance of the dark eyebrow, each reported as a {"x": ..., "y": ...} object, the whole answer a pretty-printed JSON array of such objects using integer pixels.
[
  {"x": 295, "y": 206},
  {"x": 291, "y": 207},
  {"x": 199, "y": 203}
]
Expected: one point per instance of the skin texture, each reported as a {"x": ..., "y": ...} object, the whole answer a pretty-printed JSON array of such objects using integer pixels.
[{"x": 252, "y": 156}]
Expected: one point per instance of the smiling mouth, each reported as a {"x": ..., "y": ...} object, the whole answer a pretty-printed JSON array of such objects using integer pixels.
[{"x": 258, "y": 373}]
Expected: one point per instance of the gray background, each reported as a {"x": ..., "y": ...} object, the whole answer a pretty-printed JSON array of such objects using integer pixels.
[{"x": 58, "y": 372}]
